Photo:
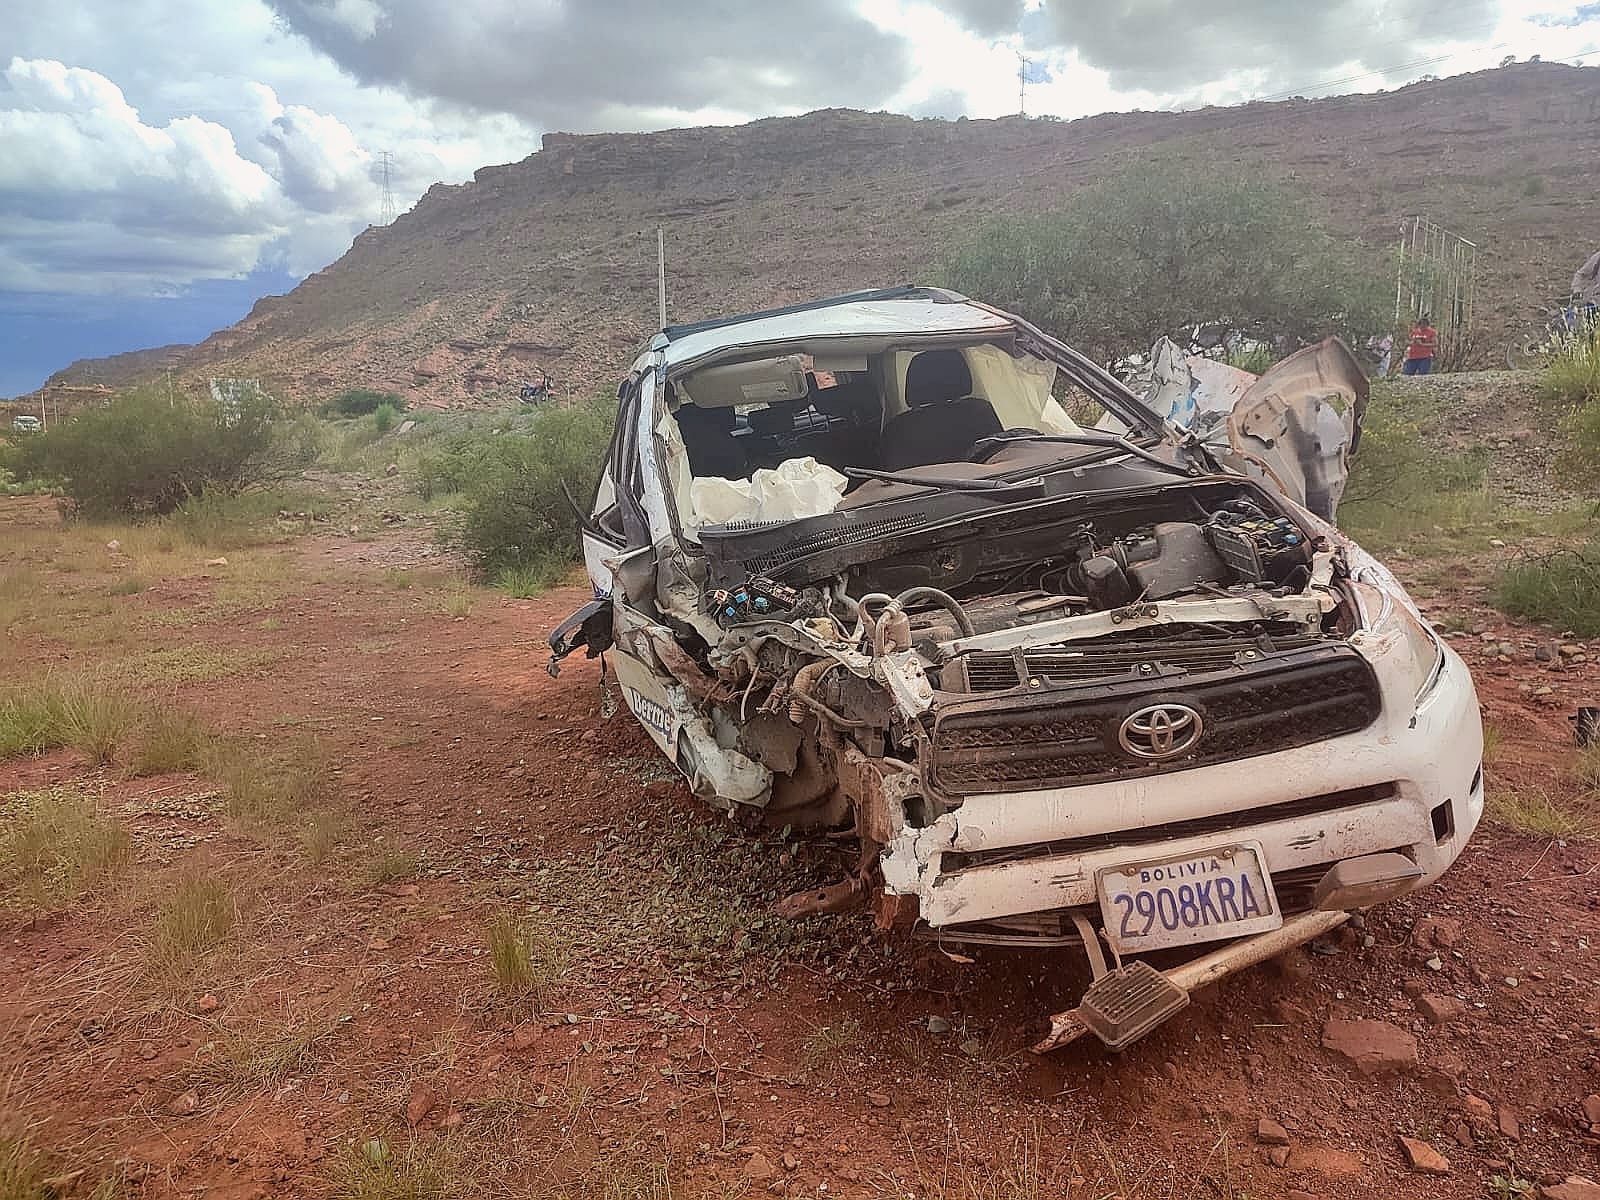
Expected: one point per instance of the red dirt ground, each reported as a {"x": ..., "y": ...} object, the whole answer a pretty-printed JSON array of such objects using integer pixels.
[{"x": 451, "y": 741}]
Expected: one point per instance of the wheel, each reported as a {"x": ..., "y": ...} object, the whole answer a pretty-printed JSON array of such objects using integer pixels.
[{"x": 1527, "y": 352}]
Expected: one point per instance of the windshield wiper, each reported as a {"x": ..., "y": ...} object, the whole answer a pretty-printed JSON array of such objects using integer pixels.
[
  {"x": 1109, "y": 441},
  {"x": 1022, "y": 488}
]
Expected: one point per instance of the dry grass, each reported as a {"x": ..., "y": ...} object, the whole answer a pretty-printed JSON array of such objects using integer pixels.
[
  {"x": 26, "y": 1174},
  {"x": 261, "y": 1058},
  {"x": 391, "y": 864},
  {"x": 197, "y": 917},
  {"x": 195, "y": 664},
  {"x": 527, "y": 961},
  {"x": 173, "y": 740},
  {"x": 376, "y": 1170},
  {"x": 456, "y": 602},
  {"x": 320, "y": 834},
  {"x": 90, "y": 712},
  {"x": 56, "y": 846},
  {"x": 262, "y": 790},
  {"x": 1586, "y": 767},
  {"x": 1540, "y": 814}
]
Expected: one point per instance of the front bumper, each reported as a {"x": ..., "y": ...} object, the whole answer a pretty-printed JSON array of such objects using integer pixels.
[{"x": 1411, "y": 782}]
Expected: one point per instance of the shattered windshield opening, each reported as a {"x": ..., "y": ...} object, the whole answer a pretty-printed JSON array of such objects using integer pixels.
[{"x": 778, "y": 437}]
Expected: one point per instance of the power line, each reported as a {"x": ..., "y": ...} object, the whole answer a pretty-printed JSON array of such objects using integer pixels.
[{"x": 386, "y": 208}]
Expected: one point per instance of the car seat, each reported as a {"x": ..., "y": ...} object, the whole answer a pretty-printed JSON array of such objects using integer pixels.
[
  {"x": 943, "y": 419},
  {"x": 708, "y": 437}
]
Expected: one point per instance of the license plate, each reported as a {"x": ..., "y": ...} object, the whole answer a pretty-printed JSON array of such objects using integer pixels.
[{"x": 1222, "y": 893}]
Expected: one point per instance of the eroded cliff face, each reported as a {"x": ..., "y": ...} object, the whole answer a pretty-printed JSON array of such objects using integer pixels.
[{"x": 548, "y": 264}]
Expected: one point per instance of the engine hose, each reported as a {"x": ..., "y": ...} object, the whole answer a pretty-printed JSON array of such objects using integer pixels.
[
  {"x": 944, "y": 599},
  {"x": 806, "y": 678},
  {"x": 865, "y": 625}
]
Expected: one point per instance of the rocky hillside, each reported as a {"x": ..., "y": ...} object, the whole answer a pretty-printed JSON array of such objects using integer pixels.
[{"x": 549, "y": 263}]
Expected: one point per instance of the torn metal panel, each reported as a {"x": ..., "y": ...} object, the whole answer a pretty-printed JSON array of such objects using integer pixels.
[{"x": 1300, "y": 422}]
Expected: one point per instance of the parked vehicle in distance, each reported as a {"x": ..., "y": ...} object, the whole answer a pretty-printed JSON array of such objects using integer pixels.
[
  {"x": 23, "y": 423},
  {"x": 857, "y": 569}
]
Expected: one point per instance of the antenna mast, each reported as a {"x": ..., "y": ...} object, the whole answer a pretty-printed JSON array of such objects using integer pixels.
[
  {"x": 661, "y": 274},
  {"x": 1022, "y": 84},
  {"x": 386, "y": 210}
]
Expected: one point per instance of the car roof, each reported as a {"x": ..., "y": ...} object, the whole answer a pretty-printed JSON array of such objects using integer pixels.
[{"x": 888, "y": 312}]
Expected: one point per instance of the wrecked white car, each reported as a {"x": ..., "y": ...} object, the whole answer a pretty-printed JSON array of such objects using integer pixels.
[{"x": 857, "y": 569}]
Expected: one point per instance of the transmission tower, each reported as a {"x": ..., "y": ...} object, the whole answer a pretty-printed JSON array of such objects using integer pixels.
[{"x": 386, "y": 210}]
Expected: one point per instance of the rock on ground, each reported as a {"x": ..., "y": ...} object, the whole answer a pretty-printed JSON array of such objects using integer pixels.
[{"x": 1372, "y": 1047}]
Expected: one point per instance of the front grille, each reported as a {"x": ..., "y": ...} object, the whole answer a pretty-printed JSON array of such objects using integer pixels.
[
  {"x": 1104, "y": 658},
  {"x": 1144, "y": 836},
  {"x": 1068, "y": 734}
]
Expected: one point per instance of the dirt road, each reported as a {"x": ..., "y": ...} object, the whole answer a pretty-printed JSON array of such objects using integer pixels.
[{"x": 682, "y": 1040}]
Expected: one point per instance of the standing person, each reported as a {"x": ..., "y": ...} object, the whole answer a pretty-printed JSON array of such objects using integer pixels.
[
  {"x": 1380, "y": 351},
  {"x": 1424, "y": 341}
]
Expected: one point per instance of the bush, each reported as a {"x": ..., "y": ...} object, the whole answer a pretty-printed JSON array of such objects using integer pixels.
[
  {"x": 358, "y": 402},
  {"x": 1560, "y": 589},
  {"x": 384, "y": 417},
  {"x": 514, "y": 514},
  {"x": 146, "y": 452},
  {"x": 1163, "y": 247}
]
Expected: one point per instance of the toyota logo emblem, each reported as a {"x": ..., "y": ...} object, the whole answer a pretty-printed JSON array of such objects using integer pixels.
[{"x": 1160, "y": 731}]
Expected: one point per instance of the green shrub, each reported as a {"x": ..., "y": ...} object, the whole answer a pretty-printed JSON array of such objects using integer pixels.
[
  {"x": 147, "y": 452},
  {"x": 358, "y": 402},
  {"x": 384, "y": 417},
  {"x": 1571, "y": 376},
  {"x": 1166, "y": 245},
  {"x": 514, "y": 514},
  {"x": 1560, "y": 589}
]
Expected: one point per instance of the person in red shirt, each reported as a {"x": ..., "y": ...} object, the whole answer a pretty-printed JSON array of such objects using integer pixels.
[{"x": 1424, "y": 341}]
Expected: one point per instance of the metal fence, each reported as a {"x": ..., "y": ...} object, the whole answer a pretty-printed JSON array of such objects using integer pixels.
[{"x": 1436, "y": 272}]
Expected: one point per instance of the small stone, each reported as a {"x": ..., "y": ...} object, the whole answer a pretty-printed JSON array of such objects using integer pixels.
[
  {"x": 1506, "y": 1120},
  {"x": 1435, "y": 963},
  {"x": 1441, "y": 1010},
  {"x": 1477, "y": 1108},
  {"x": 878, "y": 1100},
  {"x": 208, "y": 1003},
  {"x": 219, "y": 561},
  {"x": 1591, "y": 1111},
  {"x": 1423, "y": 1158},
  {"x": 524, "y": 1036},
  {"x": 938, "y": 1025},
  {"x": 452, "y": 1119},
  {"x": 1497, "y": 543},
  {"x": 1575, "y": 1187},
  {"x": 421, "y": 1103},
  {"x": 1278, "y": 1156},
  {"x": 1372, "y": 1047},
  {"x": 1545, "y": 690},
  {"x": 114, "y": 545},
  {"x": 1512, "y": 981},
  {"x": 392, "y": 469},
  {"x": 791, "y": 1163},
  {"x": 759, "y": 1166},
  {"x": 1570, "y": 649},
  {"x": 1440, "y": 932},
  {"x": 1297, "y": 1194},
  {"x": 183, "y": 1105},
  {"x": 1543, "y": 653},
  {"x": 1270, "y": 1133}
]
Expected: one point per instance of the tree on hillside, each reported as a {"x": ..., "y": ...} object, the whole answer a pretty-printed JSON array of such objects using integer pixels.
[{"x": 1163, "y": 247}]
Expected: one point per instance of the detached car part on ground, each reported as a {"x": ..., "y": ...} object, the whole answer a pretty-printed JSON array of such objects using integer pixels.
[{"x": 1132, "y": 692}]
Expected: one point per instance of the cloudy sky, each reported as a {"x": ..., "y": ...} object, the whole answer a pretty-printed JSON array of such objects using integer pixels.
[{"x": 163, "y": 163}]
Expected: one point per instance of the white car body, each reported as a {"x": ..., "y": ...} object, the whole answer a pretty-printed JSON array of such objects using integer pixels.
[{"x": 1026, "y": 766}]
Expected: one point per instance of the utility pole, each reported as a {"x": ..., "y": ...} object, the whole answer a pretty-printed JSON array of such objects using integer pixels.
[
  {"x": 661, "y": 274},
  {"x": 386, "y": 208},
  {"x": 1022, "y": 84}
]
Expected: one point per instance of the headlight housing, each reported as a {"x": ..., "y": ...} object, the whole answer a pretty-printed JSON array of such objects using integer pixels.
[{"x": 1417, "y": 651}]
